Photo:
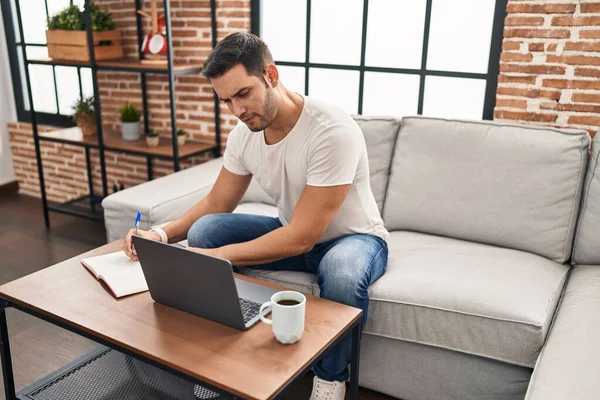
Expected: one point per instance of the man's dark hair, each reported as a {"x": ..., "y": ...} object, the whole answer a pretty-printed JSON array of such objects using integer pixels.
[{"x": 238, "y": 48}]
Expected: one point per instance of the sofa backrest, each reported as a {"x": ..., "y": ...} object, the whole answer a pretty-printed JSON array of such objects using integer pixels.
[
  {"x": 513, "y": 186},
  {"x": 380, "y": 135},
  {"x": 586, "y": 249}
]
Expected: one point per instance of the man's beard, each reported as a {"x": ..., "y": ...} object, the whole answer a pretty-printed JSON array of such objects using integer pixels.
[{"x": 268, "y": 112}]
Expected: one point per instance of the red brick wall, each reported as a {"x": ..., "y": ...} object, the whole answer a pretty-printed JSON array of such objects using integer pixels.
[
  {"x": 64, "y": 165},
  {"x": 550, "y": 64}
]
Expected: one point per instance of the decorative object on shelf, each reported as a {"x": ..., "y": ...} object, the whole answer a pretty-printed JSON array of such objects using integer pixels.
[
  {"x": 85, "y": 115},
  {"x": 152, "y": 139},
  {"x": 117, "y": 186},
  {"x": 67, "y": 35},
  {"x": 181, "y": 135},
  {"x": 130, "y": 122},
  {"x": 155, "y": 42}
]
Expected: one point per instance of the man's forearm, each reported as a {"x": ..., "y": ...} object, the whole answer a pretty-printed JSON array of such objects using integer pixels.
[
  {"x": 276, "y": 245},
  {"x": 178, "y": 229}
]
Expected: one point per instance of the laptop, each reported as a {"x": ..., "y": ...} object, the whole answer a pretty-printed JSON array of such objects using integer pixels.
[{"x": 199, "y": 284}]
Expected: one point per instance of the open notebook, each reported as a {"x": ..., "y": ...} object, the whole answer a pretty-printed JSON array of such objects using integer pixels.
[{"x": 122, "y": 275}]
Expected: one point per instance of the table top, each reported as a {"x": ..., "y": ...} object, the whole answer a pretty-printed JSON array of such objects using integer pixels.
[{"x": 249, "y": 364}]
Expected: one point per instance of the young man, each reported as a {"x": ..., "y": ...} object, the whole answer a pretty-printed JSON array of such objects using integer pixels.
[{"x": 311, "y": 158}]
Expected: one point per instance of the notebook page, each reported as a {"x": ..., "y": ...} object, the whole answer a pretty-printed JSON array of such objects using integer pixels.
[
  {"x": 123, "y": 275},
  {"x": 125, "y": 282}
]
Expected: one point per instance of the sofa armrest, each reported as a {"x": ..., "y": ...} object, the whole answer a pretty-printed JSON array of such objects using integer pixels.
[
  {"x": 160, "y": 200},
  {"x": 569, "y": 363}
]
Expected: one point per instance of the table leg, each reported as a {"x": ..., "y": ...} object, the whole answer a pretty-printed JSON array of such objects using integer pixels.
[
  {"x": 7, "y": 371},
  {"x": 354, "y": 361}
]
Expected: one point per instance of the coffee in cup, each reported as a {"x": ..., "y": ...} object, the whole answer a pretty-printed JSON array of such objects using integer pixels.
[{"x": 288, "y": 302}]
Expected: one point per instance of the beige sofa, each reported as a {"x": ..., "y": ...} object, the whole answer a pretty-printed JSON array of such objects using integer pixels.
[{"x": 494, "y": 266}]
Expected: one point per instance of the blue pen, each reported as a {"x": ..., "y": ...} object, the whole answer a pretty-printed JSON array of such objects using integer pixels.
[
  {"x": 138, "y": 218},
  {"x": 136, "y": 225}
]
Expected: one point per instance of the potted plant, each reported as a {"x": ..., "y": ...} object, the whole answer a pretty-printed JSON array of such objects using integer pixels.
[
  {"x": 181, "y": 135},
  {"x": 130, "y": 122},
  {"x": 67, "y": 37},
  {"x": 152, "y": 139},
  {"x": 85, "y": 116}
]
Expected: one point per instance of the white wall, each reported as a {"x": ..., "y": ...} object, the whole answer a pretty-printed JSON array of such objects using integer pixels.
[{"x": 7, "y": 111}]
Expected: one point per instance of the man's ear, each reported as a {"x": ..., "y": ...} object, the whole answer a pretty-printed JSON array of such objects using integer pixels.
[{"x": 272, "y": 75}]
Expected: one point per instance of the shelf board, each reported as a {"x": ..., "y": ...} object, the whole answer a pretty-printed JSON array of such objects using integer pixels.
[
  {"x": 136, "y": 65},
  {"x": 69, "y": 136},
  {"x": 125, "y": 64},
  {"x": 114, "y": 141}
]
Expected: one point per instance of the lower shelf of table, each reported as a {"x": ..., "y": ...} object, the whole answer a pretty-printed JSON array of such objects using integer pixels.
[
  {"x": 106, "y": 374},
  {"x": 85, "y": 206}
]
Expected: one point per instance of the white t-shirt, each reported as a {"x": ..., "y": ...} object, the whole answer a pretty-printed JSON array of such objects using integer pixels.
[{"x": 325, "y": 148}]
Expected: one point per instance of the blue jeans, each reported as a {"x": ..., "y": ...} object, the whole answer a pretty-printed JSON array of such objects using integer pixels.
[{"x": 345, "y": 267}]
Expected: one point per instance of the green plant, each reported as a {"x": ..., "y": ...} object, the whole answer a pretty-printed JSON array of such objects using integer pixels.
[
  {"x": 101, "y": 21},
  {"x": 129, "y": 113},
  {"x": 84, "y": 106},
  {"x": 72, "y": 18},
  {"x": 68, "y": 19},
  {"x": 152, "y": 134},
  {"x": 181, "y": 132}
]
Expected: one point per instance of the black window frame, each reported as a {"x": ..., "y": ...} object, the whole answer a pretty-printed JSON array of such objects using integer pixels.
[
  {"x": 23, "y": 114},
  {"x": 491, "y": 77}
]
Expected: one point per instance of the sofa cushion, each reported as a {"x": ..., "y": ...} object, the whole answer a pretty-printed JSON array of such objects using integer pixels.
[
  {"x": 464, "y": 296},
  {"x": 468, "y": 297},
  {"x": 569, "y": 364},
  {"x": 380, "y": 136},
  {"x": 587, "y": 248},
  {"x": 507, "y": 185}
]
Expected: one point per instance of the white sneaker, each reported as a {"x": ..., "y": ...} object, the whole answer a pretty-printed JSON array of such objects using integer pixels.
[{"x": 325, "y": 390}]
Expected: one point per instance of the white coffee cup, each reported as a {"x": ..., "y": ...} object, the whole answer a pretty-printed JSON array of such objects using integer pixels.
[{"x": 287, "y": 320}]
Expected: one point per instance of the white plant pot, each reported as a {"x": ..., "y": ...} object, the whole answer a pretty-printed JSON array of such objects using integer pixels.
[
  {"x": 130, "y": 130},
  {"x": 180, "y": 140},
  {"x": 152, "y": 141}
]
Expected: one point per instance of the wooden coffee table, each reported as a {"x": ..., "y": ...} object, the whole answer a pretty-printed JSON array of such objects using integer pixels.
[{"x": 247, "y": 364}]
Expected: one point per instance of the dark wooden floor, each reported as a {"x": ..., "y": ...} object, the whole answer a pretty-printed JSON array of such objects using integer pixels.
[{"x": 39, "y": 348}]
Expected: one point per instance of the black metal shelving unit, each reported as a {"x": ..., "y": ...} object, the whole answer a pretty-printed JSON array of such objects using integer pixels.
[{"x": 88, "y": 206}]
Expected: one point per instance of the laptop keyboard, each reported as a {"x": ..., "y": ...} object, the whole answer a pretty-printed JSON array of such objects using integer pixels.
[{"x": 250, "y": 309}]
